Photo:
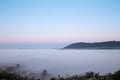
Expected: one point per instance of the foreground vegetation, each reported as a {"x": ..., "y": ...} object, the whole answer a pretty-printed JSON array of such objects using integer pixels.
[{"x": 19, "y": 73}]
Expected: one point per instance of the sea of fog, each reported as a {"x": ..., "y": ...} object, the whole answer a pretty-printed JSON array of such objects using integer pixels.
[{"x": 63, "y": 61}]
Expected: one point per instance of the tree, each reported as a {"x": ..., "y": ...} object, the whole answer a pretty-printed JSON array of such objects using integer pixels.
[
  {"x": 116, "y": 75},
  {"x": 44, "y": 74},
  {"x": 89, "y": 75}
]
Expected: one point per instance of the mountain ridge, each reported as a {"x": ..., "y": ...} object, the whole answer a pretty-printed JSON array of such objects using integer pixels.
[{"x": 94, "y": 45}]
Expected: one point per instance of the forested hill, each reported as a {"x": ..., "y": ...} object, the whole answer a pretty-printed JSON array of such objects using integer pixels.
[{"x": 95, "y": 45}]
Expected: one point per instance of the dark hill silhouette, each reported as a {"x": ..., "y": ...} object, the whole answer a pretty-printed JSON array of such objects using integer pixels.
[{"x": 95, "y": 45}]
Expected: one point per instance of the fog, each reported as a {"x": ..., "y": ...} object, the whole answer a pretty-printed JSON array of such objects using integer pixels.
[{"x": 63, "y": 61}]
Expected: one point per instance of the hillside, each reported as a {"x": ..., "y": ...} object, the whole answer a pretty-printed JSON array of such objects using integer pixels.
[{"x": 95, "y": 45}]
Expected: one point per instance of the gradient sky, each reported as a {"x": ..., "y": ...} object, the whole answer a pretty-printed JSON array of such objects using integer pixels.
[{"x": 59, "y": 21}]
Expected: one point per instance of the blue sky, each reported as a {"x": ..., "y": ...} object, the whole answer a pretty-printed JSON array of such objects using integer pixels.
[{"x": 59, "y": 21}]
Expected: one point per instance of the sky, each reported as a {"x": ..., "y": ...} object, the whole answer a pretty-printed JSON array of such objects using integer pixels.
[{"x": 59, "y": 21}]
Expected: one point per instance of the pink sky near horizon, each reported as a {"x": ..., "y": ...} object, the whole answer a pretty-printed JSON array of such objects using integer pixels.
[{"x": 51, "y": 40}]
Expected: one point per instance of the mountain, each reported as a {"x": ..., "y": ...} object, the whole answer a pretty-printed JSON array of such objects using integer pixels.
[{"x": 95, "y": 45}]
